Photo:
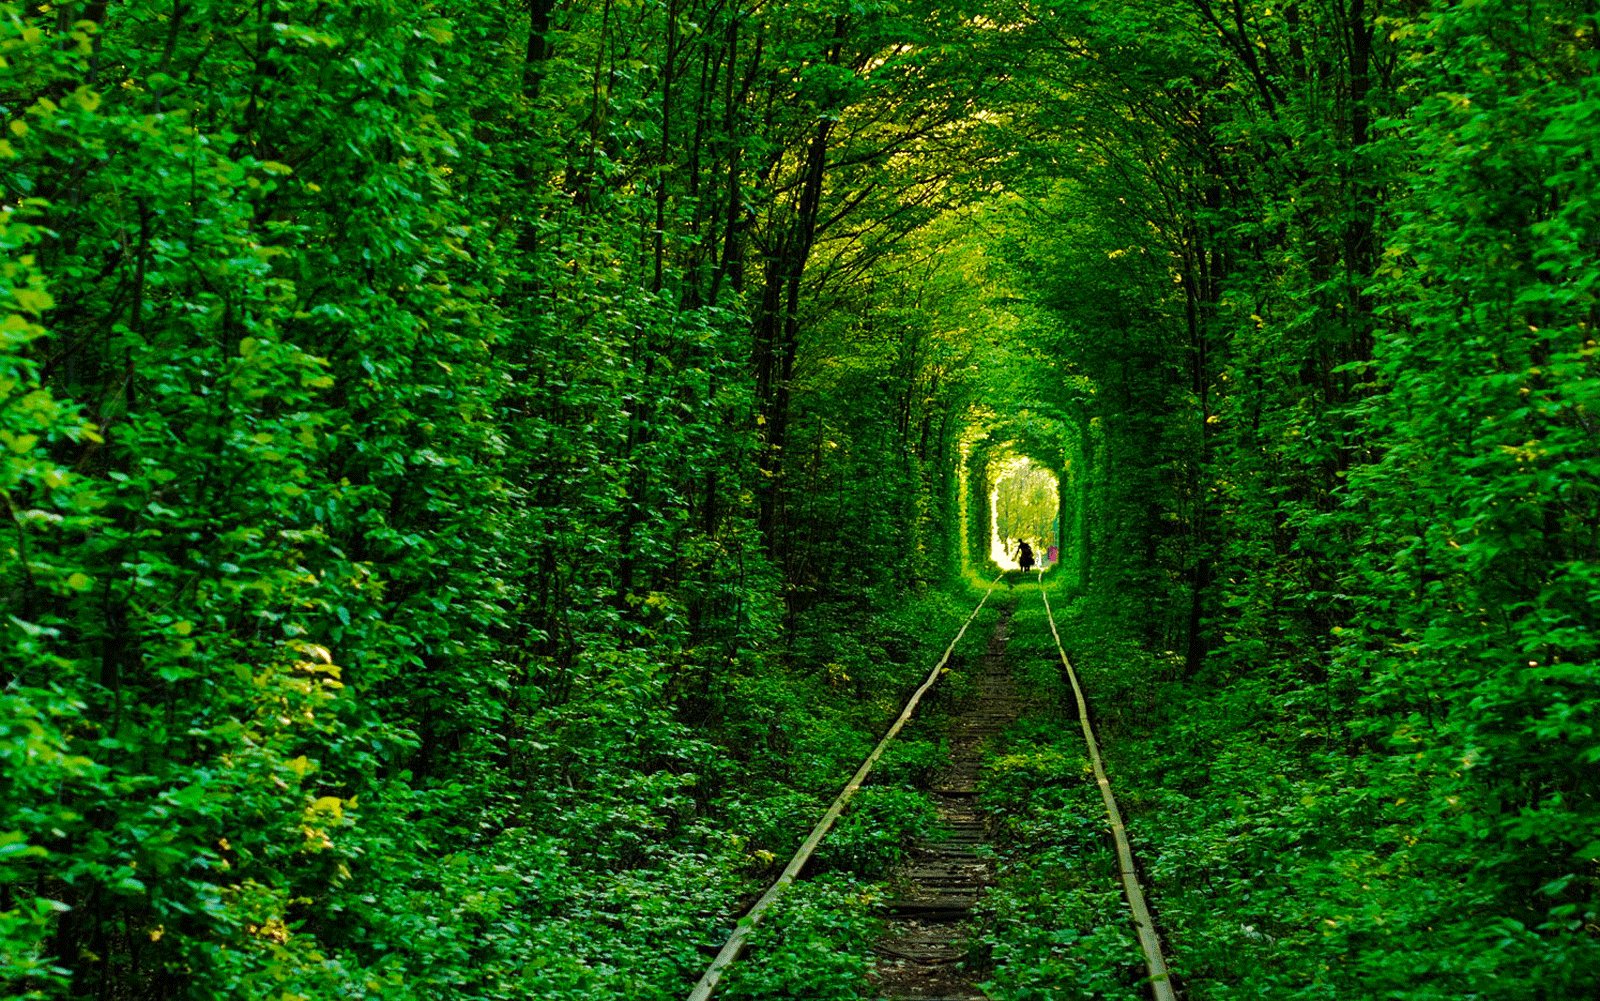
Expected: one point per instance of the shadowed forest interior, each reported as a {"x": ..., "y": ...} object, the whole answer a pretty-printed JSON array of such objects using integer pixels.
[{"x": 482, "y": 474}]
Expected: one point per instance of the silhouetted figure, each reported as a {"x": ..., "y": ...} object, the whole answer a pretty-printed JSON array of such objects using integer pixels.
[{"x": 1024, "y": 556}]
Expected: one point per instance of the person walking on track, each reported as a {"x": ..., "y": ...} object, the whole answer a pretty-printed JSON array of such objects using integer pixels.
[{"x": 1024, "y": 555}]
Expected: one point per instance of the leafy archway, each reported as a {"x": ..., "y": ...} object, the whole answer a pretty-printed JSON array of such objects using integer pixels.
[{"x": 1024, "y": 506}]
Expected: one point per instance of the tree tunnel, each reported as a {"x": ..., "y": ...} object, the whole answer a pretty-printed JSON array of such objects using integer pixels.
[
  {"x": 1020, "y": 481},
  {"x": 1024, "y": 505}
]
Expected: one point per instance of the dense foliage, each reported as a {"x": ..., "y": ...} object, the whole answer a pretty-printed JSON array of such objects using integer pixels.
[
  {"x": 1327, "y": 273},
  {"x": 395, "y": 405},
  {"x": 476, "y": 473}
]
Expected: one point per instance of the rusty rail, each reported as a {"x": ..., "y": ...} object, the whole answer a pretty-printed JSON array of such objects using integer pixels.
[
  {"x": 736, "y": 941},
  {"x": 1160, "y": 979}
]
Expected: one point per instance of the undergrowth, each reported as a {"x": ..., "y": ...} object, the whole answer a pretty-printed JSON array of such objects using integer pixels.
[
  {"x": 1288, "y": 858},
  {"x": 814, "y": 943},
  {"x": 1058, "y": 926}
]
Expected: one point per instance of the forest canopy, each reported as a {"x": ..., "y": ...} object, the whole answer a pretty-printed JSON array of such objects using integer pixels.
[{"x": 477, "y": 470}]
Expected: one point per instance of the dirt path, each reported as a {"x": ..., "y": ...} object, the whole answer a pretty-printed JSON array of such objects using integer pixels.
[{"x": 929, "y": 920}]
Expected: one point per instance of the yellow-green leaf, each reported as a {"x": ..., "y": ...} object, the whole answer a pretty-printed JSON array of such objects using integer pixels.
[
  {"x": 86, "y": 98},
  {"x": 32, "y": 300}
]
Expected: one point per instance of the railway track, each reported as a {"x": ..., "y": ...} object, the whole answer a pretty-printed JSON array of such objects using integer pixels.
[{"x": 929, "y": 919}]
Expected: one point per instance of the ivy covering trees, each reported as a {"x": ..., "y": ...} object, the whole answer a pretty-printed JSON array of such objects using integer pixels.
[{"x": 477, "y": 471}]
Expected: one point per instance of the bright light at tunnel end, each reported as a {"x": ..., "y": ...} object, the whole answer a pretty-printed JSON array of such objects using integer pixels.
[{"x": 1032, "y": 514}]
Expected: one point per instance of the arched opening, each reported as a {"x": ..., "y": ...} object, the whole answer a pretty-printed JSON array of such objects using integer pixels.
[{"x": 1024, "y": 506}]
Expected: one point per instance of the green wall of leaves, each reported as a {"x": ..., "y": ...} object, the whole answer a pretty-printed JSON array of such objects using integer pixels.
[
  {"x": 448, "y": 445},
  {"x": 395, "y": 410}
]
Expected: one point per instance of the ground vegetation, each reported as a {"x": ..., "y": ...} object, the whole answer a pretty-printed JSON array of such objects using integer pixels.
[{"x": 477, "y": 472}]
